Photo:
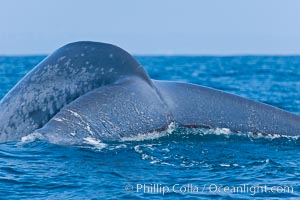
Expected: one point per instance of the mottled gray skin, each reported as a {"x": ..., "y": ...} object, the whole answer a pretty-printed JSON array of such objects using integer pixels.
[
  {"x": 109, "y": 113},
  {"x": 193, "y": 105},
  {"x": 65, "y": 75},
  {"x": 96, "y": 91}
]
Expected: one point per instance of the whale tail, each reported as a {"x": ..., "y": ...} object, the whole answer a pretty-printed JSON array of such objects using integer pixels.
[
  {"x": 109, "y": 112},
  {"x": 194, "y": 105},
  {"x": 90, "y": 89},
  {"x": 68, "y": 73}
]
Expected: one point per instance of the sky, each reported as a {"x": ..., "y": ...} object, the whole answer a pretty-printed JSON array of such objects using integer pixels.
[{"x": 156, "y": 27}]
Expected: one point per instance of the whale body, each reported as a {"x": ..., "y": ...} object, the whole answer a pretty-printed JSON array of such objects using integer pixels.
[{"x": 97, "y": 90}]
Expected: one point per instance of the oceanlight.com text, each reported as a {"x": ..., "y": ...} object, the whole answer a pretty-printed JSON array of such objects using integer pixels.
[{"x": 157, "y": 188}]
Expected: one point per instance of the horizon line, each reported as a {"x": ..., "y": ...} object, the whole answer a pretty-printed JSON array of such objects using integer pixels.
[{"x": 175, "y": 55}]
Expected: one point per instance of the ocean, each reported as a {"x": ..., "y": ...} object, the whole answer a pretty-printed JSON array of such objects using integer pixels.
[{"x": 175, "y": 164}]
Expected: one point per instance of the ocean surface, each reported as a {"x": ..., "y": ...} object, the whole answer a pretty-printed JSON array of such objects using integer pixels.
[{"x": 175, "y": 164}]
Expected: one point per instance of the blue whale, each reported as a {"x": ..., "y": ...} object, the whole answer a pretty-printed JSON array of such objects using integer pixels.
[{"x": 97, "y": 90}]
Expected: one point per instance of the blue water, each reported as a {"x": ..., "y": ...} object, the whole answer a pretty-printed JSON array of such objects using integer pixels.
[{"x": 202, "y": 163}]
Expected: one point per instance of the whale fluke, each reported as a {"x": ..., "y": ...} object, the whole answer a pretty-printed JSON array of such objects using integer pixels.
[
  {"x": 65, "y": 75},
  {"x": 98, "y": 90},
  {"x": 194, "y": 105}
]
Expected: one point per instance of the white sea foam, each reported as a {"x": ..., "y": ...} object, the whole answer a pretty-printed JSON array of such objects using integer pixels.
[
  {"x": 224, "y": 165},
  {"x": 151, "y": 136},
  {"x": 227, "y": 132},
  {"x": 173, "y": 128},
  {"x": 151, "y": 158},
  {"x": 272, "y": 136},
  {"x": 94, "y": 142},
  {"x": 120, "y": 146},
  {"x": 32, "y": 137}
]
